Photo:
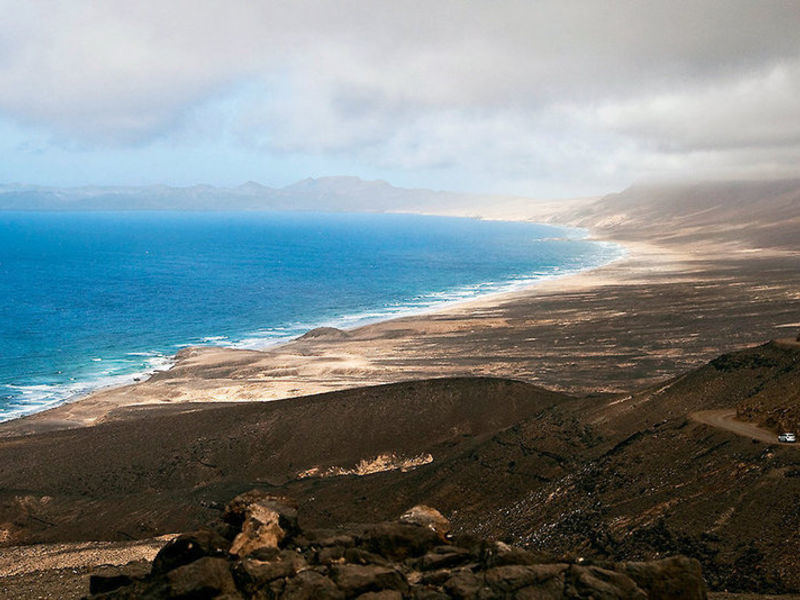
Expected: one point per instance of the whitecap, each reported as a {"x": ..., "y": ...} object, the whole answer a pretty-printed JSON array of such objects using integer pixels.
[{"x": 30, "y": 398}]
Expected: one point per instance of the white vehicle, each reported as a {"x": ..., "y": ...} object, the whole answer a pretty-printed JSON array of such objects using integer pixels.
[{"x": 787, "y": 438}]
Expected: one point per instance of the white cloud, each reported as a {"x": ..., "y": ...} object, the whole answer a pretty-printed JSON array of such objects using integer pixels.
[
  {"x": 757, "y": 110},
  {"x": 516, "y": 90}
]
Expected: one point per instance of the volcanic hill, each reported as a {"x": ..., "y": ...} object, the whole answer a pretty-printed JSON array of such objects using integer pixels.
[{"x": 607, "y": 477}]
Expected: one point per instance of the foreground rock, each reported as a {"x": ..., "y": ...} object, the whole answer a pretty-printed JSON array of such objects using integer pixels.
[{"x": 257, "y": 551}]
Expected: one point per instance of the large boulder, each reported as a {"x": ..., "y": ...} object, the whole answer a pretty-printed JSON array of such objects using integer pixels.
[
  {"x": 261, "y": 529},
  {"x": 265, "y": 524},
  {"x": 188, "y": 548},
  {"x": 444, "y": 557},
  {"x": 204, "y": 578},
  {"x": 546, "y": 580},
  {"x": 252, "y": 574},
  {"x": 399, "y": 540},
  {"x": 106, "y": 578},
  {"x": 600, "y": 584},
  {"x": 674, "y": 578},
  {"x": 466, "y": 585},
  {"x": 236, "y": 510},
  {"x": 359, "y": 579},
  {"x": 425, "y": 516},
  {"x": 498, "y": 554},
  {"x": 310, "y": 585}
]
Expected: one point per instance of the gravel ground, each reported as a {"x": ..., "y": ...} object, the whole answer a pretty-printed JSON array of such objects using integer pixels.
[
  {"x": 61, "y": 571},
  {"x": 55, "y": 584}
]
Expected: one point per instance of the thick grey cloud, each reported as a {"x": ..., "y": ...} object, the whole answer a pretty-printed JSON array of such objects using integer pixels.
[{"x": 520, "y": 91}]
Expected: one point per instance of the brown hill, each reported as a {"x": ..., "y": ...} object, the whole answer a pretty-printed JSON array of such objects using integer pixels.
[
  {"x": 760, "y": 214},
  {"x": 610, "y": 477},
  {"x": 774, "y": 397},
  {"x": 627, "y": 478},
  {"x": 149, "y": 474}
]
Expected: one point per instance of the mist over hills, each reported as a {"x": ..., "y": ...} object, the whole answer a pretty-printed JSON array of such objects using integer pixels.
[
  {"x": 756, "y": 212},
  {"x": 347, "y": 194}
]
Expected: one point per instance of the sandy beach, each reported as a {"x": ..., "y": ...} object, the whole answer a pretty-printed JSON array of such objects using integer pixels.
[{"x": 681, "y": 296}]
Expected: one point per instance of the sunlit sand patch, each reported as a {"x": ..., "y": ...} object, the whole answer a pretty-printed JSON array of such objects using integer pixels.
[
  {"x": 17, "y": 560},
  {"x": 379, "y": 464}
]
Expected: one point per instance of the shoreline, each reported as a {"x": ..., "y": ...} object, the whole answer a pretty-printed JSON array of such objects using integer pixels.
[
  {"x": 640, "y": 346},
  {"x": 680, "y": 296},
  {"x": 436, "y": 306},
  {"x": 347, "y": 323},
  {"x": 105, "y": 403}
]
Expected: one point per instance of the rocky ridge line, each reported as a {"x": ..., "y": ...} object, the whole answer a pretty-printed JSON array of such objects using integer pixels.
[{"x": 257, "y": 550}]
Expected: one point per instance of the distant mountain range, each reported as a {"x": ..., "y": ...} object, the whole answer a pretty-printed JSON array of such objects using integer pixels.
[
  {"x": 751, "y": 212},
  {"x": 324, "y": 194}
]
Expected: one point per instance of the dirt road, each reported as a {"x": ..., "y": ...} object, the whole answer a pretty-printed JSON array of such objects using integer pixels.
[{"x": 726, "y": 419}]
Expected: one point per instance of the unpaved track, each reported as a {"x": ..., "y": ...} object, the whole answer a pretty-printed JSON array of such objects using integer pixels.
[{"x": 726, "y": 419}]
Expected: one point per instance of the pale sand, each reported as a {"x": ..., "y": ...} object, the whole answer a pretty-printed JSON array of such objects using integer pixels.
[
  {"x": 662, "y": 309},
  {"x": 21, "y": 560},
  {"x": 304, "y": 367},
  {"x": 62, "y": 571}
]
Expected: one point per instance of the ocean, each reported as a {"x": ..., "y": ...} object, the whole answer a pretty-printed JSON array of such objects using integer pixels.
[{"x": 97, "y": 299}]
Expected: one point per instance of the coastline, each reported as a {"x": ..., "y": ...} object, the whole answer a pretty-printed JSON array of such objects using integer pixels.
[
  {"x": 675, "y": 300},
  {"x": 432, "y": 303},
  {"x": 636, "y": 343},
  {"x": 334, "y": 370}
]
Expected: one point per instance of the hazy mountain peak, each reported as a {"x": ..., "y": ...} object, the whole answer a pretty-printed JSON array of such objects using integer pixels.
[
  {"x": 252, "y": 186},
  {"x": 329, "y": 193}
]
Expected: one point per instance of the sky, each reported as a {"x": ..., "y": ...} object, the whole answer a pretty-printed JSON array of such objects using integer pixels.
[{"x": 535, "y": 98}]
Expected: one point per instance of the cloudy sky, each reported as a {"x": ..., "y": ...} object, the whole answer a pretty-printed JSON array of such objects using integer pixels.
[{"x": 537, "y": 98}]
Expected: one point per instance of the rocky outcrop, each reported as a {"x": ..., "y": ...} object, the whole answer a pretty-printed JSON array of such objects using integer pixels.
[
  {"x": 325, "y": 333},
  {"x": 265, "y": 524},
  {"x": 425, "y": 516},
  {"x": 388, "y": 461},
  {"x": 257, "y": 551}
]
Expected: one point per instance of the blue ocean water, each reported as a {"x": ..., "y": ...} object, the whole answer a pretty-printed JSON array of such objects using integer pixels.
[{"x": 94, "y": 299}]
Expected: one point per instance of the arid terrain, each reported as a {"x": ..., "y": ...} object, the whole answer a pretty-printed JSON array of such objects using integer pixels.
[
  {"x": 700, "y": 279},
  {"x": 622, "y": 477},
  {"x": 571, "y": 418}
]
